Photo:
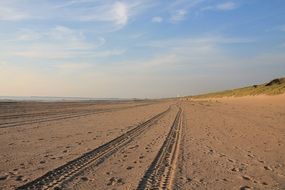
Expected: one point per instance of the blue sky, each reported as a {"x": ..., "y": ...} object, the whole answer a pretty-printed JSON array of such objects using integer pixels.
[{"x": 138, "y": 48}]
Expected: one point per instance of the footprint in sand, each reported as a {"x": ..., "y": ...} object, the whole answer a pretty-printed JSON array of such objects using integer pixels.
[
  {"x": 130, "y": 167},
  {"x": 267, "y": 168},
  {"x": 115, "y": 180},
  {"x": 245, "y": 187},
  {"x": 230, "y": 160},
  {"x": 134, "y": 147},
  {"x": 22, "y": 166},
  {"x": 3, "y": 177},
  {"x": 19, "y": 178},
  {"x": 246, "y": 178},
  {"x": 251, "y": 156},
  {"x": 236, "y": 169},
  {"x": 264, "y": 183},
  {"x": 84, "y": 178},
  {"x": 210, "y": 152}
]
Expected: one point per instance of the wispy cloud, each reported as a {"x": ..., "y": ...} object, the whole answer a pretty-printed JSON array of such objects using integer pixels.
[
  {"x": 185, "y": 4},
  {"x": 118, "y": 13},
  {"x": 179, "y": 9},
  {"x": 227, "y": 6},
  {"x": 12, "y": 14},
  {"x": 59, "y": 42},
  {"x": 186, "y": 42},
  {"x": 187, "y": 53},
  {"x": 121, "y": 13},
  {"x": 111, "y": 44},
  {"x": 113, "y": 13},
  {"x": 178, "y": 15},
  {"x": 27, "y": 35},
  {"x": 157, "y": 19}
]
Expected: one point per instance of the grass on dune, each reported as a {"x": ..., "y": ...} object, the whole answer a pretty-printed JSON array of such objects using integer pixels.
[{"x": 275, "y": 87}]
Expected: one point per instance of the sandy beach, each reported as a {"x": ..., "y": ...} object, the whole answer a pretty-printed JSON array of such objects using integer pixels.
[
  {"x": 142, "y": 95},
  {"x": 226, "y": 143}
]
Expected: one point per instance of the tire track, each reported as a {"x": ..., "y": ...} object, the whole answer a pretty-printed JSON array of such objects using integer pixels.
[
  {"x": 161, "y": 173},
  {"x": 63, "y": 116},
  {"x": 57, "y": 178}
]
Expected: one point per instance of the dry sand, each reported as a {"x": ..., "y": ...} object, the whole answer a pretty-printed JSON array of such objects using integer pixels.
[
  {"x": 232, "y": 143},
  {"x": 229, "y": 143}
]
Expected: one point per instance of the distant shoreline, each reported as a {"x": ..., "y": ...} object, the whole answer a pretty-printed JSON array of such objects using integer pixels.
[{"x": 59, "y": 99}]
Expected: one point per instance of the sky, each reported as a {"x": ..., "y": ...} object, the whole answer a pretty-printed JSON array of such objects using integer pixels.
[{"x": 138, "y": 48}]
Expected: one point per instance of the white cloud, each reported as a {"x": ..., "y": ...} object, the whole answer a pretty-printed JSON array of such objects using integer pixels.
[
  {"x": 179, "y": 9},
  {"x": 27, "y": 35},
  {"x": 12, "y": 14},
  {"x": 185, "y": 4},
  {"x": 157, "y": 19},
  {"x": 178, "y": 15},
  {"x": 116, "y": 12},
  {"x": 186, "y": 42},
  {"x": 59, "y": 42},
  {"x": 180, "y": 66},
  {"x": 121, "y": 13},
  {"x": 227, "y": 6},
  {"x": 112, "y": 14},
  {"x": 187, "y": 54}
]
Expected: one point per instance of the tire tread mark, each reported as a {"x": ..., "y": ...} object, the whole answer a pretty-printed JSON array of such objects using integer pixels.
[
  {"x": 63, "y": 116},
  {"x": 160, "y": 174},
  {"x": 58, "y": 177}
]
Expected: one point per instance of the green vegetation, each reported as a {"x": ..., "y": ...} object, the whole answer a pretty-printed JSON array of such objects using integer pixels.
[{"x": 274, "y": 87}]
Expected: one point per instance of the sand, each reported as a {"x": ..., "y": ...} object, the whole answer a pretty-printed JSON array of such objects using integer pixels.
[
  {"x": 232, "y": 143},
  {"x": 228, "y": 143}
]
